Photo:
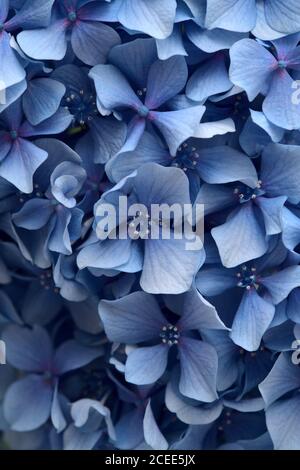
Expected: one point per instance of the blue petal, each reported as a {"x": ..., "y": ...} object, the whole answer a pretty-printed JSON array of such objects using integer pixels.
[
  {"x": 215, "y": 281},
  {"x": 109, "y": 136},
  {"x": 155, "y": 184},
  {"x": 283, "y": 15},
  {"x": 105, "y": 254},
  {"x": 86, "y": 410},
  {"x": 132, "y": 319},
  {"x": 29, "y": 350},
  {"x": 290, "y": 229},
  {"x": 32, "y": 14},
  {"x": 71, "y": 355},
  {"x": 153, "y": 436},
  {"x": 92, "y": 41},
  {"x": 4, "y": 8},
  {"x": 156, "y": 19},
  {"x": 169, "y": 268},
  {"x": 280, "y": 284},
  {"x": 228, "y": 355},
  {"x": 215, "y": 197},
  {"x": 283, "y": 422},
  {"x": 146, "y": 365},
  {"x": 178, "y": 126},
  {"x": 198, "y": 314},
  {"x": 222, "y": 164},
  {"x": 172, "y": 45},
  {"x": 27, "y": 403},
  {"x": 34, "y": 214},
  {"x": 251, "y": 321},
  {"x": 276, "y": 133},
  {"x": 211, "y": 40},
  {"x": 11, "y": 71},
  {"x": 252, "y": 76},
  {"x": 75, "y": 439},
  {"x": 12, "y": 94},
  {"x": 134, "y": 59},
  {"x": 129, "y": 429},
  {"x": 283, "y": 378},
  {"x": 147, "y": 150},
  {"x": 113, "y": 89},
  {"x": 42, "y": 99},
  {"x": 8, "y": 312},
  {"x": 57, "y": 417},
  {"x": 53, "y": 125},
  {"x": 210, "y": 78},
  {"x": 188, "y": 413},
  {"x": 165, "y": 80},
  {"x": 241, "y": 238},
  {"x": 46, "y": 43},
  {"x": 279, "y": 106},
  {"x": 199, "y": 364},
  {"x": 279, "y": 169},
  {"x": 234, "y": 15},
  {"x": 272, "y": 213},
  {"x": 66, "y": 181}
]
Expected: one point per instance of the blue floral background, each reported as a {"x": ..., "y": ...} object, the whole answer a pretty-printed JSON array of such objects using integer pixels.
[{"x": 142, "y": 344}]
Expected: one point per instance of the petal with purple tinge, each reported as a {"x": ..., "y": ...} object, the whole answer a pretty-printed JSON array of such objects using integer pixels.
[
  {"x": 29, "y": 350},
  {"x": 27, "y": 403},
  {"x": 252, "y": 76}
]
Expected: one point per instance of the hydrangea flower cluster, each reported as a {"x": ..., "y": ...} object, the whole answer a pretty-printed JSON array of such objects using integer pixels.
[{"x": 141, "y": 343}]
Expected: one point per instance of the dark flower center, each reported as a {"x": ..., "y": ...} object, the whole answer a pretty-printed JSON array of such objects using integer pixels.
[
  {"x": 81, "y": 105},
  {"x": 169, "y": 335},
  {"x": 142, "y": 226},
  {"x": 186, "y": 157},
  {"x": 247, "y": 278},
  {"x": 246, "y": 194},
  {"x": 46, "y": 282}
]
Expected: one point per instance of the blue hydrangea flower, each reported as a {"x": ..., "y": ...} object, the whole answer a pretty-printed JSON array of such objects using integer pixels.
[
  {"x": 32, "y": 14},
  {"x": 137, "y": 318},
  {"x": 105, "y": 136},
  {"x": 271, "y": 74},
  {"x": 265, "y": 195},
  {"x": 155, "y": 184},
  {"x": 20, "y": 158},
  {"x": 281, "y": 16},
  {"x": 32, "y": 351},
  {"x": 156, "y": 83},
  {"x": 259, "y": 282},
  {"x": 280, "y": 393},
  {"x": 174, "y": 325},
  {"x": 71, "y": 20}
]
